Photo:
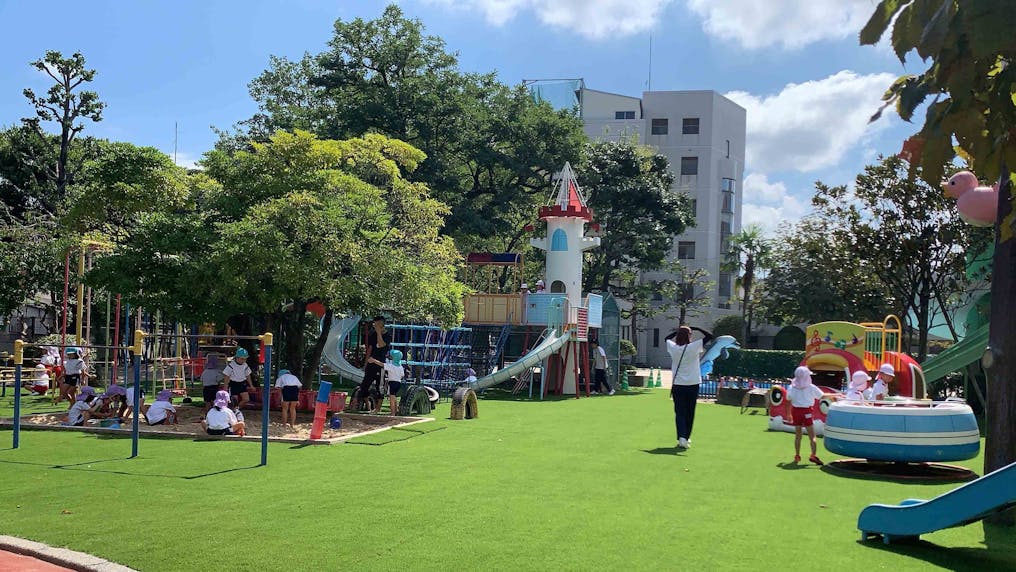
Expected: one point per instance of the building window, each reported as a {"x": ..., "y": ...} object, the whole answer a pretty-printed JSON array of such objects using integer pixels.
[
  {"x": 557, "y": 287},
  {"x": 694, "y": 208},
  {"x": 724, "y": 283},
  {"x": 656, "y": 337},
  {"x": 727, "y": 189},
  {"x": 686, "y": 250},
  {"x": 689, "y": 165},
  {"x": 626, "y": 333},
  {"x": 657, "y": 296},
  {"x": 559, "y": 241},
  {"x": 661, "y": 126},
  {"x": 727, "y": 185},
  {"x": 690, "y": 126},
  {"x": 728, "y": 148},
  {"x": 624, "y": 115}
]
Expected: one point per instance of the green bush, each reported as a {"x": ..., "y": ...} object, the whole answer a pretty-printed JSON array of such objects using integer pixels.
[
  {"x": 759, "y": 364},
  {"x": 789, "y": 338},
  {"x": 627, "y": 348}
]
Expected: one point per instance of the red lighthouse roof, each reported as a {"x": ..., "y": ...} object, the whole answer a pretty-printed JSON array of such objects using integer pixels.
[{"x": 569, "y": 201}]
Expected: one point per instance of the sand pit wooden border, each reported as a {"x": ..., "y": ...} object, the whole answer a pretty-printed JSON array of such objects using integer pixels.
[{"x": 403, "y": 421}]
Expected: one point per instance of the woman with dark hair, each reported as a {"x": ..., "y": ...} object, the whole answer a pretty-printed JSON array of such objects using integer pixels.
[{"x": 684, "y": 356}]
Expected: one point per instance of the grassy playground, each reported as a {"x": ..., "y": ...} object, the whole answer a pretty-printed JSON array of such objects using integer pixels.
[{"x": 566, "y": 484}]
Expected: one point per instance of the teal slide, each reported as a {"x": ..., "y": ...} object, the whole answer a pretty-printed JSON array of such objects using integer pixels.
[
  {"x": 958, "y": 356},
  {"x": 973, "y": 501}
]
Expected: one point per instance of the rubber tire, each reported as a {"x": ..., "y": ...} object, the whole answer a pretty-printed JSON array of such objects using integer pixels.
[
  {"x": 823, "y": 405},
  {"x": 464, "y": 404},
  {"x": 416, "y": 400},
  {"x": 776, "y": 397}
]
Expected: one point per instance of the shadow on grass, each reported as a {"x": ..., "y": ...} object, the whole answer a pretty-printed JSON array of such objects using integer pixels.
[
  {"x": 674, "y": 451},
  {"x": 86, "y": 466},
  {"x": 907, "y": 480},
  {"x": 500, "y": 394},
  {"x": 791, "y": 466},
  {"x": 963, "y": 558}
]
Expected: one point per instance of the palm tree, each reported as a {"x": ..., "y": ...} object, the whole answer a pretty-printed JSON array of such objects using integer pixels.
[{"x": 748, "y": 254}]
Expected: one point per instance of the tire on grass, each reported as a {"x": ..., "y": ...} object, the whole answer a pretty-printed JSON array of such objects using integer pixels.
[
  {"x": 415, "y": 400},
  {"x": 464, "y": 404}
]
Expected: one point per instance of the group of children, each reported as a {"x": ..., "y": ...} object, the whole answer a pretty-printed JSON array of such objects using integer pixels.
[{"x": 803, "y": 394}]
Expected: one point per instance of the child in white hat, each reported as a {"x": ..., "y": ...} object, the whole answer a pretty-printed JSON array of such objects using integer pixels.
[
  {"x": 880, "y": 389},
  {"x": 858, "y": 383},
  {"x": 802, "y": 395}
]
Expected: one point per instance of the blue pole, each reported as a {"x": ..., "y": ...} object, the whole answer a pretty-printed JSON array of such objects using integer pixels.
[
  {"x": 17, "y": 405},
  {"x": 135, "y": 425},
  {"x": 264, "y": 404}
]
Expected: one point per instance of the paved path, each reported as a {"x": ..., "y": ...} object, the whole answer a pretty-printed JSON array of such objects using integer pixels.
[{"x": 12, "y": 561}]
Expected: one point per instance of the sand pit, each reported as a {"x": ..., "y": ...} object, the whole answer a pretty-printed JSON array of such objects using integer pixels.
[{"x": 189, "y": 426}]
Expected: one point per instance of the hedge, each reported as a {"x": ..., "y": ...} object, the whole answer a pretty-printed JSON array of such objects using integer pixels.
[{"x": 759, "y": 364}]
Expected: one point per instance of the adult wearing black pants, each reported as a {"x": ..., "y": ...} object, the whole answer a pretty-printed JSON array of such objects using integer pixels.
[
  {"x": 684, "y": 356},
  {"x": 378, "y": 344},
  {"x": 600, "y": 369}
]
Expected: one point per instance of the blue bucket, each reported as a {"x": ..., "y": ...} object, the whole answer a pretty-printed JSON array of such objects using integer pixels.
[{"x": 336, "y": 422}]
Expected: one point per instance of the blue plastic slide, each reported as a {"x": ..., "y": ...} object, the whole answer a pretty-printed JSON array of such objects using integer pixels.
[{"x": 973, "y": 501}]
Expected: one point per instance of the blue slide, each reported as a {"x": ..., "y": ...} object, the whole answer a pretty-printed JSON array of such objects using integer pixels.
[{"x": 973, "y": 501}]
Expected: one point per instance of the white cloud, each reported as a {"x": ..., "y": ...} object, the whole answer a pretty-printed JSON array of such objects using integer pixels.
[
  {"x": 756, "y": 24},
  {"x": 590, "y": 18},
  {"x": 769, "y": 204},
  {"x": 812, "y": 125}
]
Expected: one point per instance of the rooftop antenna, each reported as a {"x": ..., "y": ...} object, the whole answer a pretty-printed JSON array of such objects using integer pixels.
[{"x": 650, "y": 62}]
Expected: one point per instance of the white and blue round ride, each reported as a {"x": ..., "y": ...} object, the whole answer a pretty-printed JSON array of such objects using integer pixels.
[{"x": 905, "y": 431}]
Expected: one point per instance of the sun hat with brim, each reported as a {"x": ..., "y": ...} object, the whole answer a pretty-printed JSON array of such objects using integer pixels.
[
  {"x": 69, "y": 351},
  {"x": 802, "y": 377},
  {"x": 396, "y": 356},
  {"x": 859, "y": 380},
  {"x": 164, "y": 395},
  {"x": 241, "y": 353},
  {"x": 283, "y": 372},
  {"x": 114, "y": 390},
  {"x": 470, "y": 371},
  {"x": 888, "y": 369},
  {"x": 221, "y": 399}
]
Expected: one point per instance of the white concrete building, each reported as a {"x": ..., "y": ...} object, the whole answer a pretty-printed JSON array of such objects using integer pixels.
[{"x": 703, "y": 135}]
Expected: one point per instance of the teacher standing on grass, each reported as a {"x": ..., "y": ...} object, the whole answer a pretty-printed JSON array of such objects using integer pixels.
[{"x": 684, "y": 365}]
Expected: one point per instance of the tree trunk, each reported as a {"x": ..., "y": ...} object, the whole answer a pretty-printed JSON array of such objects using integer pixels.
[
  {"x": 1000, "y": 445},
  {"x": 292, "y": 325},
  {"x": 923, "y": 308},
  {"x": 310, "y": 369}
]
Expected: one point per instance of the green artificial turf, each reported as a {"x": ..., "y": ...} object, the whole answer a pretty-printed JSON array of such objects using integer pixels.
[{"x": 555, "y": 485}]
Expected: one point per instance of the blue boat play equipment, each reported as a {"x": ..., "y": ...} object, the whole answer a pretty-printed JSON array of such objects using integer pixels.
[
  {"x": 907, "y": 431},
  {"x": 992, "y": 493}
]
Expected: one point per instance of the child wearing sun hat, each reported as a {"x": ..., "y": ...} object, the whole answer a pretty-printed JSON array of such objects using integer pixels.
[
  {"x": 220, "y": 419},
  {"x": 238, "y": 373},
  {"x": 858, "y": 383},
  {"x": 802, "y": 395},
  {"x": 81, "y": 410},
  {"x": 880, "y": 389},
  {"x": 162, "y": 411},
  {"x": 394, "y": 373}
]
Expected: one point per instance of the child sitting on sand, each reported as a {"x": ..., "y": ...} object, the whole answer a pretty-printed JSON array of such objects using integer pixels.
[
  {"x": 81, "y": 411},
  {"x": 802, "y": 395},
  {"x": 220, "y": 419},
  {"x": 162, "y": 411}
]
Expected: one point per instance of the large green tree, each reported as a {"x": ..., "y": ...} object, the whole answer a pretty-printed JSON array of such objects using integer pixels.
[
  {"x": 629, "y": 189},
  {"x": 289, "y": 222},
  {"x": 970, "y": 49},
  {"x": 490, "y": 148},
  {"x": 907, "y": 233},
  {"x": 65, "y": 104},
  {"x": 815, "y": 277}
]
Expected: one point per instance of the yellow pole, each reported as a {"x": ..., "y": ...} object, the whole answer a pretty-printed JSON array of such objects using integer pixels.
[{"x": 81, "y": 296}]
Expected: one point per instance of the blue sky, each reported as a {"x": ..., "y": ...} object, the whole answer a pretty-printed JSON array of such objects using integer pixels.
[{"x": 795, "y": 64}]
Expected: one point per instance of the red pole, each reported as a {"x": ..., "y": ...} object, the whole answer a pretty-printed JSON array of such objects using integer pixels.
[
  {"x": 116, "y": 338},
  {"x": 585, "y": 361},
  {"x": 67, "y": 286}
]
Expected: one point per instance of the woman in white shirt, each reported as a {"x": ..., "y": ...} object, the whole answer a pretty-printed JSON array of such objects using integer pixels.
[
  {"x": 162, "y": 410},
  {"x": 220, "y": 419},
  {"x": 687, "y": 375},
  {"x": 290, "y": 386}
]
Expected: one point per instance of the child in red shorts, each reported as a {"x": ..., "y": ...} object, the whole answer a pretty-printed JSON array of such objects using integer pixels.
[{"x": 802, "y": 396}]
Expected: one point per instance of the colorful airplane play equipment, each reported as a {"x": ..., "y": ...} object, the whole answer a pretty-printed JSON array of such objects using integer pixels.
[{"x": 834, "y": 351}]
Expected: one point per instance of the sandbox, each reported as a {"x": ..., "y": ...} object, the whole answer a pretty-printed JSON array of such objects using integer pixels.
[{"x": 189, "y": 427}]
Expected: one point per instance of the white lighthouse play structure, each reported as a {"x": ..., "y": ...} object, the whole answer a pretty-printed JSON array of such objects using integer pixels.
[{"x": 566, "y": 240}]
